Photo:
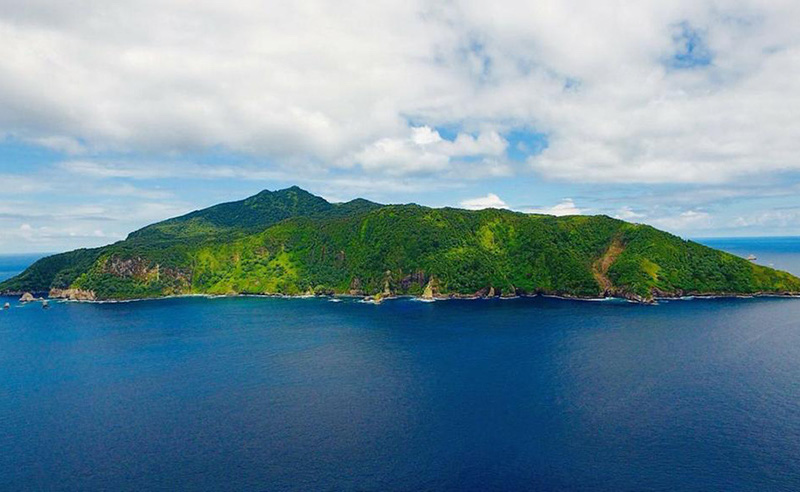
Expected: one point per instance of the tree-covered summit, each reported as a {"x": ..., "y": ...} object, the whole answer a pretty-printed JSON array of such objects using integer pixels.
[{"x": 292, "y": 242}]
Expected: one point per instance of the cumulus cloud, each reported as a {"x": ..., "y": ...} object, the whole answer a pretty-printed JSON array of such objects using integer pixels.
[
  {"x": 17, "y": 184},
  {"x": 423, "y": 150},
  {"x": 66, "y": 212},
  {"x": 627, "y": 213},
  {"x": 489, "y": 201},
  {"x": 780, "y": 219},
  {"x": 565, "y": 207},
  {"x": 148, "y": 170},
  {"x": 47, "y": 235},
  {"x": 362, "y": 85},
  {"x": 685, "y": 221}
]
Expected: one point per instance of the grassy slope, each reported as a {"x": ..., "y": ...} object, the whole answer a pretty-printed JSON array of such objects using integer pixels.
[{"x": 292, "y": 242}]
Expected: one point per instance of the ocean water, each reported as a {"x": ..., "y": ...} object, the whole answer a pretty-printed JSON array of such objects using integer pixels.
[{"x": 309, "y": 394}]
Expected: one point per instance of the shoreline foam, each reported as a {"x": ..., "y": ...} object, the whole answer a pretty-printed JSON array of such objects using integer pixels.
[{"x": 370, "y": 300}]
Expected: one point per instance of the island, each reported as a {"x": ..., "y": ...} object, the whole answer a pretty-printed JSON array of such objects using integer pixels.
[{"x": 293, "y": 243}]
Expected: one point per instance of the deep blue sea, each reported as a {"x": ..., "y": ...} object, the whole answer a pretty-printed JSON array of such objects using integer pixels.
[{"x": 309, "y": 394}]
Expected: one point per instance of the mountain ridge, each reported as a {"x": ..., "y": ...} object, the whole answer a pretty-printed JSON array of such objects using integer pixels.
[{"x": 291, "y": 242}]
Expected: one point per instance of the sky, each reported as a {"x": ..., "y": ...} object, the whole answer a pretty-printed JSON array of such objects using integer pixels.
[{"x": 683, "y": 114}]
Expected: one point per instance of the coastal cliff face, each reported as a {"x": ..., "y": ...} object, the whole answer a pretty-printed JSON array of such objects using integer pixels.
[
  {"x": 72, "y": 294},
  {"x": 114, "y": 276},
  {"x": 292, "y": 243}
]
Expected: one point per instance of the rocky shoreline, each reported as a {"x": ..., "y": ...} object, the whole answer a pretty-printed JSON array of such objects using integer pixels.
[
  {"x": 77, "y": 295},
  {"x": 73, "y": 294}
]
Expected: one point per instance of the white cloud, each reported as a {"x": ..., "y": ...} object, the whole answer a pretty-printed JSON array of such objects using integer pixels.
[
  {"x": 67, "y": 145},
  {"x": 51, "y": 236},
  {"x": 13, "y": 184},
  {"x": 781, "y": 219},
  {"x": 128, "y": 190},
  {"x": 361, "y": 86},
  {"x": 489, "y": 201},
  {"x": 65, "y": 212},
  {"x": 319, "y": 179},
  {"x": 627, "y": 213},
  {"x": 115, "y": 170},
  {"x": 423, "y": 150},
  {"x": 685, "y": 221},
  {"x": 565, "y": 207},
  {"x": 149, "y": 170}
]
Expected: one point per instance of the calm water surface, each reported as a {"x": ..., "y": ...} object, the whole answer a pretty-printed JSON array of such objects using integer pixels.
[{"x": 272, "y": 394}]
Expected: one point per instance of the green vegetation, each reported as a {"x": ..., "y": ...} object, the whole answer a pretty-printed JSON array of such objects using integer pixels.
[
  {"x": 291, "y": 242},
  {"x": 57, "y": 271}
]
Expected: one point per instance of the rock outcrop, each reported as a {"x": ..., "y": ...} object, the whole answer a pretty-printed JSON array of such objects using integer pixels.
[
  {"x": 417, "y": 278},
  {"x": 387, "y": 284},
  {"x": 601, "y": 266},
  {"x": 144, "y": 270},
  {"x": 431, "y": 290},
  {"x": 73, "y": 294},
  {"x": 27, "y": 297},
  {"x": 356, "y": 288},
  {"x": 512, "y": 292}
]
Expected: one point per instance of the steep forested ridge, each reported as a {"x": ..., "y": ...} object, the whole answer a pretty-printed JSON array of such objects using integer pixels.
[{"x": 292, "y": 242}]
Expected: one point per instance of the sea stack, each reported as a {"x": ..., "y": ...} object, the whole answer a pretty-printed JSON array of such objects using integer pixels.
[{"x": 27, "y": 297}]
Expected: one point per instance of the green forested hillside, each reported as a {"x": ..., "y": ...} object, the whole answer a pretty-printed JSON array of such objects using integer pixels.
[{"x": 292, "y": 242}]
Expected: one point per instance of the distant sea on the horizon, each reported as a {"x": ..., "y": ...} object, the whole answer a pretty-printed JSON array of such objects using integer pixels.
[{"x": 309, "y": 394}]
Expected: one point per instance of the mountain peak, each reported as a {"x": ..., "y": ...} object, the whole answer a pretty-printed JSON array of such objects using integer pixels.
[
  {"x": 249, "y": 215},
  {"x": 283, "y": 191},
  {"x": 293, "y": 188}
]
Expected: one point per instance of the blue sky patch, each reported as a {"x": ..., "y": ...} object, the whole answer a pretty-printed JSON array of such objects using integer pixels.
[
  {"x": 448, "y": 132},
  {"x": 525, "y": 143},
  {"x": 691, "y": 48}
]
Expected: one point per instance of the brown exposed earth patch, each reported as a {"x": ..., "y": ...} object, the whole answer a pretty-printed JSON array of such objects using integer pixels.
[{"x": 601, "y": 266}]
